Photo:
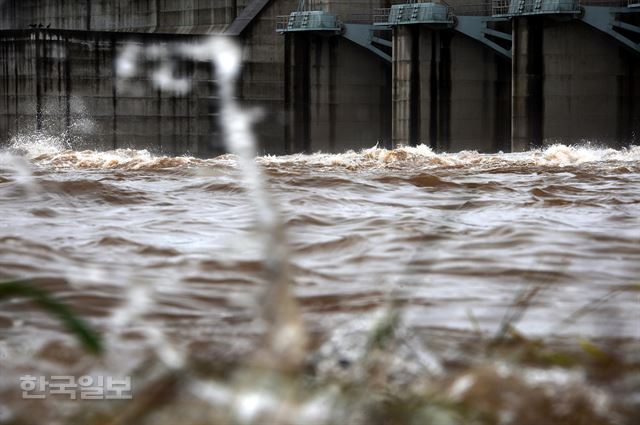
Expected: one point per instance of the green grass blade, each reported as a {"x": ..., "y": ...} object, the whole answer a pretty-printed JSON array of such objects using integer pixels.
[{"x": 87, "y": 336}]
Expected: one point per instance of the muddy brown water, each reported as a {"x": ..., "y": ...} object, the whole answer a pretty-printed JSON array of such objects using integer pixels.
[{"x": 453, "y": 236}]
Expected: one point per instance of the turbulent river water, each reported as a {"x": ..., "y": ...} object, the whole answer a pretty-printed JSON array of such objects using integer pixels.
[{"x": 454, "y": 237}]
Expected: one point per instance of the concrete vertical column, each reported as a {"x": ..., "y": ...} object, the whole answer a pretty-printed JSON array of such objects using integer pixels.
[
  {"x": 634, "y": 90},
  {"x": 415, "y": 119},
  {"x": 156, "y": 15},
  {"x": 232, "y": 10},
  {"x": 527, "y": 84},
  {"x": 502, "y": 117},
  {"x": 406, "y": 85},
  {"x": 288, "y": 93},
  {"x": 38, "y": 80},
  {"x": 88, "y": 18},
  {"x": 297, "y": 92},
  {"x": 444, "y": 84},
  {"x": 628, "y": 99},
  {"x": 436, "y": 84},
  {"x": 422, "y": 87},
  {"x": 323, "y": 92},
  {"x": 333, "y": 71},
  {"x": 430, "y": 58},
  {"x": 386, "y": 108}
]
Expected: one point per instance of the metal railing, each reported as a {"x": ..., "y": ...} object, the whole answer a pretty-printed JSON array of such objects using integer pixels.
[
  {"x": 308, "y": 5},
  {"x": 608, "y": 3},
  {"x": 282, "y": 22},
  {"x": 500, "y": 7},
  {"x": 307, "y": 21},
  {"x": 414, "y": 14},
  {"x": 477, "y": 8},
  {"x": 381, "y": 15},
  {"x": 511, "y": 7},
  {"x": 360, "y": 18},
  {"x": 532, "y": 7}
]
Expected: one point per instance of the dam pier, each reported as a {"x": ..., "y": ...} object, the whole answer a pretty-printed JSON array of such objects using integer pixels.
[{"x": 330, "y": 75}]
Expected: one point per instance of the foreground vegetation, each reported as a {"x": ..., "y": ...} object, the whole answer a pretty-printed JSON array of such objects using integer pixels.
[{"x": 504, "y": 378}]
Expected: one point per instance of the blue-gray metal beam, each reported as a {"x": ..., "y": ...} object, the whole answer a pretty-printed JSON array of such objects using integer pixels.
[
  {"x": 476, "y": 28},
  {"x": 603, "y": 19},
  {"x": 498, "y": 34},
  {"x": 626, "y": 26},
  {"x": 382, "y": 41},
  {"x": 244, "y": 19},
  {"x": 361, "y": 34}
]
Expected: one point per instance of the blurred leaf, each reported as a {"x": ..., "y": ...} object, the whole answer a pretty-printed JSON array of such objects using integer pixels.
[
  {"x": 555, "y": 358},
  {"x": 384, "y": 331},
  {"x": 515, "y": 313},
  {"x": 589, "y": 308},
  {"x": 87, "y": 336},
  {"x": 594, "y": 351},
  {"x": 474, "y": 322}
]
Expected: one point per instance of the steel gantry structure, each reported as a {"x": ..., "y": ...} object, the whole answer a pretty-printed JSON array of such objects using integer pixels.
[{"x": 480, "y": 22}]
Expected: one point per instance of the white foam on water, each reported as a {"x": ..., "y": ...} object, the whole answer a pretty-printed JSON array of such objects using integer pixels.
[
  {"x": 129, "y": 159},
  {"x": 562, "y": 155},
  {"x": 422, "y": 155},
  {"x": 51, "y": 150},
  {"x": 36, "y": 145}
]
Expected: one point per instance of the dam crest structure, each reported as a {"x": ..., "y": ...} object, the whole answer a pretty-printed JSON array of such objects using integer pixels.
[{"x": 330, "y": 75}]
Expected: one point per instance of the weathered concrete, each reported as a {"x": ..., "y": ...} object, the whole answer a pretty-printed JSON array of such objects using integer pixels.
[
  {"x": 572, "y": 84},
  {"x": 63, "y": 82},
  {"x": 449, "y": 91},
  {"x": 527, "y": 88},
  {"x": 346, "y": 8},
  {"x": 263, "y": 77},
  {"x": 406, "y": 117},
  {"x": 591, "y": 89},
  {"x": 160, "y": 16},
  {"x": 246, "y": 17},
  {"x": 142, "y": 118},
  {"x": 338, "y": 95}
]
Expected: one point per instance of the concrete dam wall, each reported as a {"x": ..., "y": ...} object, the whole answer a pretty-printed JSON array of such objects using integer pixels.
[
  {"x": 62, "y": 83},
  {"x": 334, "y": 75},
  {"x": 573, "y": 83},
  {"x": 449, "y": 92},
  {"x": 166, "y": 16}
]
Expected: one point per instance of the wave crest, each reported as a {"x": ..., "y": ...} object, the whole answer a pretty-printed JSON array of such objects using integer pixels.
[
  {"x": 55, "y": 151},
  {"x": 557, "y": 155},
  {"x": 33, "y": 146},
  {"x": 128, "y": 159},
  {"x": 48, "y": 150}
]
